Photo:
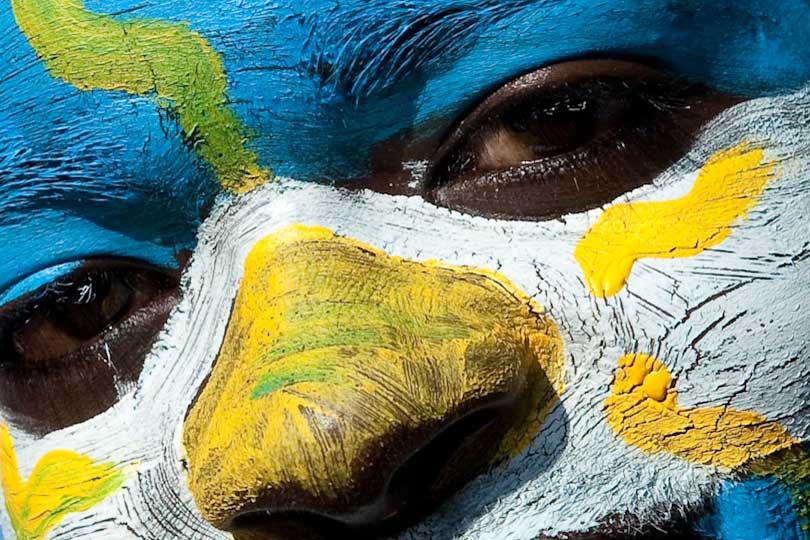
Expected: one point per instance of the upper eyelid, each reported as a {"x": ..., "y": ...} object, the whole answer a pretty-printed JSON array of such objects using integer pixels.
[
  {"x": 36, "y": 280},
  {"x": 51, "y": 274},
  {"x": 529, "y": 83}
]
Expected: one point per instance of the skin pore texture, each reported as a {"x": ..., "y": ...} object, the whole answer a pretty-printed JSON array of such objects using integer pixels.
[{"x": 142, "y": 130}]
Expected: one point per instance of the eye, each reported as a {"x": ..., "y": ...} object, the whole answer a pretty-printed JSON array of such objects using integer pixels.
[
  {"x": 568, "y": 138},
  {"x": 69, "y": 350}
]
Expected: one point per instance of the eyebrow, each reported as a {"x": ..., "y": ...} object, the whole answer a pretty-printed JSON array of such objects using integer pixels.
[
  {"x": 367, "y": 50},
  {"x": 363, "y": 50}
]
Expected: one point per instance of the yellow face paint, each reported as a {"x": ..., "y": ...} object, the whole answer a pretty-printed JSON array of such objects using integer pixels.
[
  {"x": 334, "y": 348},
  {"x": 643, "y": 410},
  {"x": 728, "y": 185},
  {"x": 61, "y": 483},
  {"x": 167, "y": 61}
]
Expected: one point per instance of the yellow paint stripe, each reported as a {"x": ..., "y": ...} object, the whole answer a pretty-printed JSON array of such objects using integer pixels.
[
  {"x": 61, "y": 483},
  {"x": 728, "y": 185},
  {"x": 642, "y": 409},
  {"x": 168, "y": 62}
]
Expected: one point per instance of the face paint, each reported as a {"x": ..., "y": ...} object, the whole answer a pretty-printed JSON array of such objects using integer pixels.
[
  {"x": 643, "y": 411},
  {"x": 149, "y": 57},
  {"x": 61, "y": 483},
  {"x": 754, "y": 509},
  {"x": 306, "y": 378},
  {"x": 418, "y": 343},
  {"x": 726, "y": 188}
]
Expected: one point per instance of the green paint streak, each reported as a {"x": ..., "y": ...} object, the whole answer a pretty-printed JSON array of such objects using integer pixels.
[
  {"x": 168, "y": 62},
  {"x": 317, "y": 325},
  {"x": 61, "y": 483},
  {"x": 791, "y": 467},
  {"x": 74, "y": 505},
  {"x": 284, "y": 376}
]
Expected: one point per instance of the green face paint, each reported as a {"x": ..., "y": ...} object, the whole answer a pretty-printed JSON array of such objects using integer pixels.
[{"x": 168, "y": 62}]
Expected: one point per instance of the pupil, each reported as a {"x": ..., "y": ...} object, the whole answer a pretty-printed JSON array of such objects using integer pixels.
[
  {"x": 100, "y": 300},
  {"x": 553, "y": 128}
]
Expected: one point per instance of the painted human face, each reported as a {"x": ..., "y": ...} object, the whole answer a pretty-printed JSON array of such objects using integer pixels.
[{"x": 421, "y": 270}]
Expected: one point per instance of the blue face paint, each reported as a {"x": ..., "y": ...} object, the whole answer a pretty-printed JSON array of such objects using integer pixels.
[
  {"x": 35, "y": 281},
  {"x": 318, "y": 84},
  {"x": 755, "y": 509},
  {"x": 87, "y": 174}
]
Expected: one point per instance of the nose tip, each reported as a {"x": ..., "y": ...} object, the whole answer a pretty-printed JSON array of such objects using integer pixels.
[
  {"x": 355, "y": 391},
  {"x": 440, "y": 462}
]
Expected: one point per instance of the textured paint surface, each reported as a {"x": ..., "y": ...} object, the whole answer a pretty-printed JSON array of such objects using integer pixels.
[
  {"x": 317, "y": 85},
  {"x": 404, "y": 347},
  {"x": 642, "y": 409},
  {"x": 61, "y": 483},
  {"x": 728, "y": 185},
  {"x": 174, "y": 65},
  {"x": 792, "y": 469},
  {"x": 753, "y": 509}
]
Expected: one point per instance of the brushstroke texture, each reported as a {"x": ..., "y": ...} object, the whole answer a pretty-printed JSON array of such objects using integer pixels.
[
  {"x": 642, "y": 409},
  {"x": 61, "y": 483},
  {"x": 335, "y": 350},
  {"x": 172, "y": 64},
  {"x": 728, "y": 185}
]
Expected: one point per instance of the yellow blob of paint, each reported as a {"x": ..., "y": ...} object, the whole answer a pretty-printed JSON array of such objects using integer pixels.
[
  {"x": 61, "y": 483},
  {"x": 728, "y": 185},
  {"x": 335, "y": 350},
  {"x": 643, "y": 410},
  {"x": 166, "y": 61}
]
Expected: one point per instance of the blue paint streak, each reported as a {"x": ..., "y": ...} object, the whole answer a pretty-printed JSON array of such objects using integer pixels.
[
  {"x": 318, "y": 83},
  {"x": 35, "y": 281},
  {"x": 87, "y": 174},
  {"x": 754, "y": 509}
]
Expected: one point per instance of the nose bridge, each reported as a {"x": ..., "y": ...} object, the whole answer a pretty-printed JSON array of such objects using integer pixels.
[{"x": 340, "y": 362}]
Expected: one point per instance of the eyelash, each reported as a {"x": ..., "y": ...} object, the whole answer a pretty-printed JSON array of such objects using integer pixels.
[
  {"x": 89, "y": 329},
  {"x": 538, "y": 150},
  {"x": 665, "y": 97}
]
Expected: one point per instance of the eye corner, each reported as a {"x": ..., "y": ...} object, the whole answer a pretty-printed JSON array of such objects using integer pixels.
[{"x": 68, "y": 345}]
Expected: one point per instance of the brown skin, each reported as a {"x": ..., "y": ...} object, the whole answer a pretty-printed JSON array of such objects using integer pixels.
[
  {"x": 628, "y": 527},
  {"x": 542, "y": 160},
  {"x": 565, "y": 138},
  {"x": 62, "y": 352}
]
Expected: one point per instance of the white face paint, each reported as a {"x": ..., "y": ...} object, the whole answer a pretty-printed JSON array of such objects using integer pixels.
[{"x": 730, "y": 324}]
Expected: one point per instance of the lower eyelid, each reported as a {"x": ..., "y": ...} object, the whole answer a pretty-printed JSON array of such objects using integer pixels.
[{"x": 36, "y": 280}]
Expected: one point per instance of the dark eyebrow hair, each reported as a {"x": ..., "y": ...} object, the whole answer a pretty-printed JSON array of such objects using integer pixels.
[{"x": 368, "y": 50}]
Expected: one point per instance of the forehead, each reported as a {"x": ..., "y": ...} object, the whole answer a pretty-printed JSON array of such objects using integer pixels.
[
  {"x": 320, "y": 83},
  {"x": 316, "y": 80}
]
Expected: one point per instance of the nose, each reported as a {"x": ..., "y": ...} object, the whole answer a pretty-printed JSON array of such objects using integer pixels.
[
  {"x": 355, "y": 391},
  {"x": 397, "y": 481}
]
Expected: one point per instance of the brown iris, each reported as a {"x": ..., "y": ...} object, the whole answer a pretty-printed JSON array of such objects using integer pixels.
[
  {"x": 67, "y": 349},
  {"x": 567, "y": 138},
  {"x": 562, "y": 139}
]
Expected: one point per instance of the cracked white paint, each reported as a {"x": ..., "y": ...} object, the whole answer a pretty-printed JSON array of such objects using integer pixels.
[{"x": 730, "y": 324}]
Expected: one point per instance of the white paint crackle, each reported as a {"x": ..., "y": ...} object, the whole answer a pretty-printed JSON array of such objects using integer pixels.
[{"x": 733, "y": 313}]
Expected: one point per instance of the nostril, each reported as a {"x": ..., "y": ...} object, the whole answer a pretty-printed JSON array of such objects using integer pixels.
[
  {"x": 288, "y": 525},
  {"x": 441, "y": 466},
  {"x": 450, "y": 458}
]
